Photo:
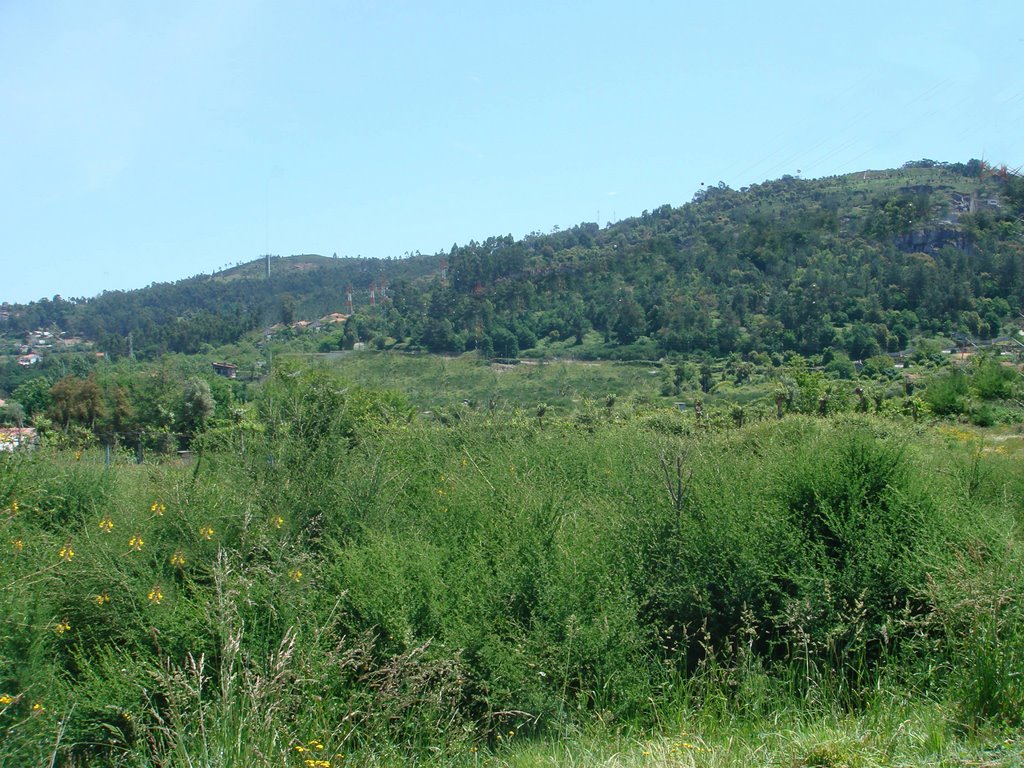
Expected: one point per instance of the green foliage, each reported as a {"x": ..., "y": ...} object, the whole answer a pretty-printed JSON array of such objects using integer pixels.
[
  {"x": 12, "y": 414},
  {"x": 197, "y": 406},
  {"x": 878, "y": 365},
  {"x": 946, "y": 395},
  {"x": 862, "y": 515},
  {"x": 402, "y": 590},
  {"x": 841, "y": 366},
  {"x": 34, "y": 396},
  {"x": 993, "y": 381}
]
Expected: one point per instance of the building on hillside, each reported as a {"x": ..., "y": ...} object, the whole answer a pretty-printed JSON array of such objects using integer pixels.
[
  {"x": 30, "y": 359},
  {"x": 227, "y": 370},
  {"x": 15, "y": 438}
]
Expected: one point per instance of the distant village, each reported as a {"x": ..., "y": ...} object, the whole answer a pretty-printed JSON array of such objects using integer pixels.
[{"x": 39, "y": 343}]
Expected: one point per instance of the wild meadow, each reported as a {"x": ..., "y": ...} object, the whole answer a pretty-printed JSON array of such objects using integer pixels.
[{"x": 339, "y": 581}]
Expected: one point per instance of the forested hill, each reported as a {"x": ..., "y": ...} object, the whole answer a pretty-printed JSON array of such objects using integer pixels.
[
  {"x": 213, "y": 309},
  {"x": 863, "y": 262}
]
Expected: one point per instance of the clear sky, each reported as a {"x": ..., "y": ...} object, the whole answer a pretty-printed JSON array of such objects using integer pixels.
[{"x": 149, "y": 141}]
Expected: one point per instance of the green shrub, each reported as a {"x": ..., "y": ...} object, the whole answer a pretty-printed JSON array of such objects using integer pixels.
[
  {"x": 946, "y": 395},
  {"x": 993, "y": 381}
]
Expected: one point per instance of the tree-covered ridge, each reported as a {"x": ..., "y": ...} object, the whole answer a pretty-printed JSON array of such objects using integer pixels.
[
  {"x": 862, "y": 262},
  {"x": 209, "y": 309}
]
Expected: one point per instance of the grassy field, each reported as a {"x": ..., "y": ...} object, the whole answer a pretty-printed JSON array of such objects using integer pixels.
[
  {"x": 347, "y": 583},
  {"x": 431, "y": 381}
]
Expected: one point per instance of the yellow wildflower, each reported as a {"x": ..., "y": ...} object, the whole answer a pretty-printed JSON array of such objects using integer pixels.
[
  {"x": 314, "y": 763},
  {"x": 314, "y": 744},
  {"x": 38, "y": 709},
  {"x": 62, "y": 626},
  {"x": 18, "y": 544},
  {"x": 6, "y": 699},
  {"x": 178, "y": 560},
  {"x": 106, "y": 524},
  {"x": 206, "y": 532},
  {"x": 135, "y": 542},
  {"x": 295, "y": 574},
  {"x": 157, "y": 508},
  {"x": 78, "y": 454},
  {"x": 155, "y": 595},
  {"x": 102, "y": 598},
  {"x": 66, "y": 552},
  {"x": 278, "y": 521}
]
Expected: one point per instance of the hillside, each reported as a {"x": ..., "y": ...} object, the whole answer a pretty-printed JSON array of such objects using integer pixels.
[
  {"x": 210, "y": 309},
  {"x": 863, "y": 262}
]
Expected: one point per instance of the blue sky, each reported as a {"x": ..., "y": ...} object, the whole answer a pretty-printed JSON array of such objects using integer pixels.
[{"x": 145, "y": 142}]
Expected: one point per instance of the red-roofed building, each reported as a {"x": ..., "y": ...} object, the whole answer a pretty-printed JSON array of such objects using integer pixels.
[{"x": 13, "y": 438}]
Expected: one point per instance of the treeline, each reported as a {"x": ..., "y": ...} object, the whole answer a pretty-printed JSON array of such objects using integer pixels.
[{"x": 132, "y": 406}]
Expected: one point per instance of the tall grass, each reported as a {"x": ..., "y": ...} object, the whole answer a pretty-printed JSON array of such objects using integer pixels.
[{"x": 359, "y": 582}]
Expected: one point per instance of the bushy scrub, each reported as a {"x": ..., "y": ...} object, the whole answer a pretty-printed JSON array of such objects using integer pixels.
[
  {"x": 946, "y": 395},
  {"x": 811, "y": 535},
  {"x": 348, "y": 577}
]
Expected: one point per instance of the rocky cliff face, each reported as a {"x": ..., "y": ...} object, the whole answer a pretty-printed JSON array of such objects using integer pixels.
[{"x": 931, "y": 240}]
